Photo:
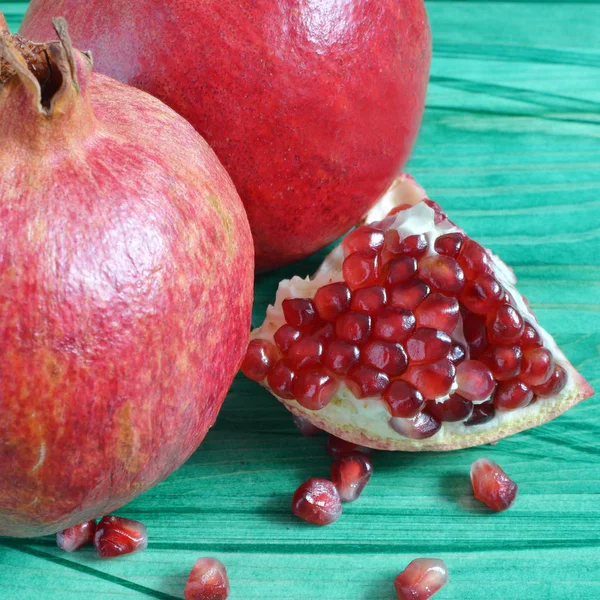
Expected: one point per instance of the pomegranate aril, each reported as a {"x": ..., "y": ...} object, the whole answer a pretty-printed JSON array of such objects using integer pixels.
[
  {"x": 259, "y": 358},
  {"x": 475, "y": 333},
  {"x": 423, "y": 578},
  {"x": 362, "y": 269},
  {"x": 364, "y": 237},
  {"x": 503, "y": 361},
  {"x": 332, "y": 300},
  {"x": 350, "y": 474},
  {"x": 340, "y": 356},
  {"x": 442, "y": 273},
  {"x": 457, "y": 353},
  {"x": 482, "y": 295},
  {"x": 433, "y": 380},
  {"x": 453, "y": 409},
  {"x": 388, "y": 357},
  {"x": 474, "y": 380},
  {"x": 403, "y": 400},
  {"x": 299, "y": 312},
  {"x": 337, "y": 447},
  {"x": 384, "y": 224},
  {"x": 554, "y": 385},
  {"x": 116, "y": 536},
  {"x": 408, "y": 294},
  {"x": 207, "y": 581},
  {"x": 401, "y": 207},
  {"x": 280, "y": 379},
  {"x": 353, "y": 327},
  {"x": 305, "y": 353},
  {"x": 482, "y": 413},
  {"x": 438, "y": 312},
  {"x": 317, "y": 501},
  {"x": 393, "y": 324},
  {"x": 437, "y": 209},
  {"x": 505, "y": 326},
  {"x": 305, "y": 427},
  {"x": 538, "y": 366},
  {"x": 512, "y": 394},
  {"x": 427, "y": 345},
  {"x": 420, "y": 427},
  {"x": 411, "y": 245},
  {"x": 491, "y": 485},
  {"x": 314, "y": 388},
  {"x": 449, "y": 244},
  {"x": 530, "y": 338},
  {"x": 365, "y": 381},
  {"x": 322, "y": 332},
  {"x": 399, "y": 270},
  {"x": 369, "y": 300},
  {"x": 285, "y": 336},
  {"x": 474, "y": 259},
  {"x": 73, "y": 538}
]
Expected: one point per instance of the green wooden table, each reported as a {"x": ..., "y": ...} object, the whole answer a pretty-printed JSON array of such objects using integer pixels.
[{"x": 510, "y": 145}]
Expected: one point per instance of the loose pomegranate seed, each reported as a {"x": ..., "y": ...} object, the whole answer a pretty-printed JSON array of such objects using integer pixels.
[
  {"x": 353, "y": 327},
  {"x": 332, "y": 300},
  {"x": 474, "y": 260},
  {"x": 538, "y": 366},
  {"x": 503, "y": 361},
  {"x": 385, "y": 356},
  {"x": 285, "y": 336},
  {"x": 259, "y": 358},
  {"x": 362, "y": 269},
  {"x": 365, "y": 381},
  {"x": 421, "y": 579},
  {"x": 350, "y": 474},
  {"x": 530, "y": 338},
  {"x": 73, "y": 538},
  {"x": 340, "y": 356},
  {"x": 408, "y": 294},
  {"x": 457, "y": 354},
  {"x": 412, "y": 245},
  {"x": 491, "y": 485},
  {"x": 505, "y": 326},
  {"x": 305, "y": 427},
  {"x": 420, "y": 427},
  {"x": 433, "y": 380},
  {"x": 399, "y": 270},
  {"x": 427, "y": 345},
  {"x": 482, "y": 295},
  {"x": 455, "y": 408},
  {"x": 512, "y": 394},
  {"x": 474, "y": 380},
  {"x": 280, "y": 379},
  {"x": 437, "y": 209},
  {"x": 337, "y": 447},
  {"x": 403, "y": 400},
  {"x": 475, "y": 334},
  {"x": 364, "y": 237},
  {"x": 299, "y": 312},
  {"x": 393, "y": 324},
  {"x": 442, "y": 273},
  {"x": 314, "y": 388},
  {"x": 116, "y": 536},
  {"x": 305, "y": 353},
  {"x": 317, "y": 501},
  {"x": 554, "y": 385},
  {"x": 438, "y": 312},
  {"x": 322, "y": 332},
  {"x": 482, "y": 413},
  {"x": 449, "y": 244},
  {"x": 369, "y": 300},
  {"x": 207, "y": 581}
]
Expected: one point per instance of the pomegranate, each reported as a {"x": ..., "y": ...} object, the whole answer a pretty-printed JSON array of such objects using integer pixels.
[
  {"x": 423, "y": 578},
  {"x": 350, "y": 474},
  {"x": 492, "y": 486},
  {"x": 207, "y": 581},
  {"x": 429, "y": 344},
  {"x": 313, "y": 107},
  {"x": 126, "y": 275},
  {"x": 116, "y": 536},
  {"x": 75, "y": 537},
  {"x": 317, "y": 501}
]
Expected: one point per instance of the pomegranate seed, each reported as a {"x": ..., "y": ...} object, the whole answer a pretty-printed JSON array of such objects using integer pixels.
[
  {"x": 285, "y": 336},
  {"x": 421, "y": 579},
  {"x": 427, "y": 345},
  {"x": 259, "y": 358},
  {"x": 393, "y": 324},
  {"x": 538, "y": 366},
  {"x": 116, "y": 536},
  {"x": 505, "y": 326},
  {"x": 503, "y": 361},
  {"x": 365, "y": 381},
  {"x": 362, "y": 269},
  {"x": 512, "y": 394},
  {"x": 385, "y": 356},
  {"x": 314, "y": 388},
  {"x": 482, "y": 295},
  {"x": 322, "y": 332},
  {"x": 474, "y": 380},
  {"x": 433, "y": 380},
  {"x": 437, "y": 209},
  {"x": 412, "y": 245},
  {"x": 364, "y": 237},
  {"x": 369, "y": 300},
  {"x": 403, "y": 400},
  {"x": 408, "y": 294},
  {"x": 337, "y": 447},
  {"x": 449, "y": 244},
  {"x": 207, "y": 581},
  {"x": 455, "y": 408},
  {"x": 482, "y": 413},
  {"x": 340, "y": 356},
  {"x": 305, "y": 353},
  {"x": 73, "y": 538},
  {"x": 554, "y": 385},
  {"x": 332, "y": 300},
  {"x": 491, "y": 485},
  {"x": 299, "y": 312},
  {"x": 353, "y": 327},
  {"x": 457, "y": 353},
  {"x": 317, "y": 501},
  {"x": 530, "y": 338},
  {"x": 399, "y": 270},
  {"x": 420, "y": 427},
  {"x": 280, "y": 379},
  {"x": 350, "y": 474},
  {"x": 442, "y": 273},
  {"x": 385, "y": 224},
  {"x": 305, "y": 427},
  {"x": 475, "y": 335},
  {"x": 474, "y": 259},
  {"x": 438, "y": 312}
]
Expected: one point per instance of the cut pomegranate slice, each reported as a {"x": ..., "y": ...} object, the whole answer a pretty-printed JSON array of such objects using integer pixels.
[
  {"x": 491, "y": 485},
  {"x": 207, "y": 581},
  {"x": 317, "y": 501},
  {"x": 421, "y": 579}
]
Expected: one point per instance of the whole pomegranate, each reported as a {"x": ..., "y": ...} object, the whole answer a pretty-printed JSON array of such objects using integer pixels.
[
  {"x": 126, "y": 271},
  {"x": 312, "y": 106}
]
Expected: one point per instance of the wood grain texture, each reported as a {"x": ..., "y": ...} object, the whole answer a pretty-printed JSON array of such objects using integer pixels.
[{"x": 510, "y": 146}]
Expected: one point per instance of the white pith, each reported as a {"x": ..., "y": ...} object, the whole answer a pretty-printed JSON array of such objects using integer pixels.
[{"x": 366, "y": 420}]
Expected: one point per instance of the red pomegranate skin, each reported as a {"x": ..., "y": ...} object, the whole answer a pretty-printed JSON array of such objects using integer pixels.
[
  {"x": 312, "y": 106},
  {"x": 126, "y": 275}
]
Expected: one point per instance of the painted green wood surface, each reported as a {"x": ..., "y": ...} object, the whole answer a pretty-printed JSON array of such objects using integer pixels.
[{"x": 510, "y": 145}]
